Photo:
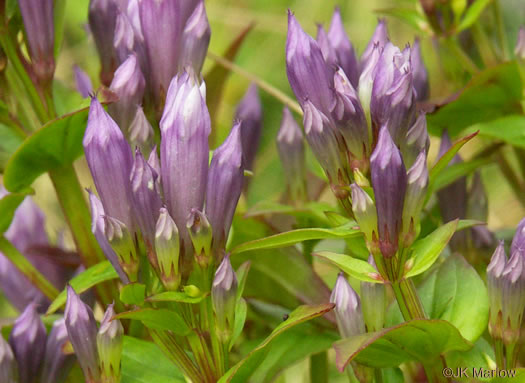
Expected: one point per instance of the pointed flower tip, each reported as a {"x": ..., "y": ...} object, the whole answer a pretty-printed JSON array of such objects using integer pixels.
[
  {"x": 166, "y": 227},
  {"x": 418, "y": 173},
  {"x": 386, "y": 150},
  {"x": 498, "y": 261},
  {"x": 225, "y": 276},
  {"x": 289, "y": 131}
]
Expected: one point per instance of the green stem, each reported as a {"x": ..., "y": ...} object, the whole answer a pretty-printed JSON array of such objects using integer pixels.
[
  {"x": 511, "y": 354},
  {"x": 500, "y": 356},
  {"x": 319, "y": 367},
  {"x": 461, "y": 56},
  {"x": 502, "y": 36},
  {"x": 378, "y": 375},
  {"x": 483, "y": 44},
  {"x": 408, "y": 300},
  {"x": 26, "y": 268},
  {"x": 350, "y": 374}
]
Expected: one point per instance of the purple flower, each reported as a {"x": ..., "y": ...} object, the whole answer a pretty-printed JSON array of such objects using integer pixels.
[
  {"x": 195, "y": 39},
  {"x": 420, "y": 74},
  {"x": 83, "y": 82},
  {"x": 416, "y": 140},
  {"x": 141, "y": 132},
  {"x": 8, "y": 368},
  {"x": 348, "y": 312},
  {"x": 365, "y": 214},
  {"x": 167, "y": 249},
  {"x": 28, "y": 341},
  {"x": 123, "y": 243},
  {"x": 377, "y": 41},
  {"x": 56, "y": 363},
  {"x": 249, "y": 112},
  {"x": 225, "y": 181},
  {"x": 223, "y": 295},
  {"x": 389, "y": 180},
  {"x": 200, "y": 232},
  {"x": 124, "y": 39}
]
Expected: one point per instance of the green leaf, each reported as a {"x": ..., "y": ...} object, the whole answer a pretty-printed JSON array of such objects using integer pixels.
[
  {"x": 314, "y": 211},
  {"x": 138, "y": 357},
  {"x": 59, "y": 11},
  {"x": 472, "y": 14},
  {"x": 491, "y": 94},
  {"x": 133, "y": 294},
  {"x": 241, "y": 309},
  {"x": 411, "y": 16},
  {"x": 175, "y": 296},
  {"x": 242, "y": 276},
  {"x": 356, "y": 268},
  {"x": 514, "y": 375},
  {"x": 56, "y": 144},
  {"x": 292, "y": 237},
  {"x": 8, "y": 205},
  {"x": 99, "y": 273},
  {"x": 158, "y": 319},
  {"x": 426, "y": 250},
  {"x": 455, "y": 171},
  {"x": 420, "y": 340},
  {"x": 301, "y": 314},
  {"x": 480, "y": 356},
  {"x": 509, "y": 129},
  {"x": 9, "y": 142}
]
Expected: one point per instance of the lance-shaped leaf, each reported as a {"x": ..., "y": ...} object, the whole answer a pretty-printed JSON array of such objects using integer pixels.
[
  {"x": 158, "y": 319},
  {"x": 8, "y": 205},
  {"x": 356, "y": 268}
]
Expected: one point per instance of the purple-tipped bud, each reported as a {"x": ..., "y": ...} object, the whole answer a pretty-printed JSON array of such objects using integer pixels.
[
  {"x": 249, "y": 112},
  {"x": 365, "y": 214},
  {"x": 146, "y": 198},
  {"x": 141, "y": 132},
  {"x": 98, "y": 227},
  {"x": 348, "y": 312},
  {"x": 124, "y": 39},
  {"x": 57, "y": 363},
  {"x": 327, "y": 48},
  {"x": 518, "y": 242},
  {"x": 184, "y": 151},
  {"x": 417, "y": 183},
  {"x": 82, "y": 333},
  {"x": 290, "y": 144},
  {"x": 167, "y": 248},
  {"x": 128, "y": 84},
  {"x": 83, "y": 82},
  {"x": 420, "y": 74},
  {"x": 374, "y": 302},
  {"x": 225, "y": 182},
  {"x": 308, "y": 74},
  {"x": 110, "y": 338},
  {"x": 40, "y": 36},
  {"x": 200, "y": 232},
  {"x": 350, "y": 119},
  {"x": 366, "y": 82},
  {"x": 110, "y": 159},
  {"x": 122, "y": 242},
  {"x": 223, "y": 295},
  {"x": 389, "y": 180},
  {"x": 102, "y": 21},
  {"x": 8, "y": 368},
  {"x": 519, "y": 50},
  {"x": 378, "y": 40},
  {"x": 417, "y": 140},
  {"x": 195, "y": 39},
  {"x": 28, "y": 342}
]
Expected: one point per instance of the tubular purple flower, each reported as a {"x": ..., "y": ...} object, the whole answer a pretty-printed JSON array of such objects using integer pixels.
[
  {"x": 167, "y": 249},
  {"x": 420, "y": 74},
  {"x": 366, "y": 83},
  {"x": 513, "y": 297},
  {"x": 123, "y": 243},
  {"x": 184, "y": 151},
  {"x": 195, "y": 39},
  {"x": 141, "y": 132},
  {"x": 83, "y": 82},
  {"x": 82, "y": 333},
  {"x": 154, "y": 162},
  {"x": 327, "y": 48},
  {"x": 110, "y": 339},
  {"x": 225, "y": 182},
  {"x": 365, "y": 215},
  {"x": 348, "y": 312},
  {"x": 223, "y": 295},
  {"x": 377, "y": 41},
  {"x": 8, "y": 368},
  {"x": 518, "y": 242},
  {"x": 416, "y": 140},
  {"x": 308, "y": 74},
  {"x": 249, "y": 112},
  {"x": 40, "y": 36},
  {"x": 110, "y": 160},
  {"x": 98, "y": 227},
  {"x": 56, "y": 363},
  {"x": 146, "y": 199},
  {"x": 124, "y": 38},
  {"x": 389, "y": 181},
  {"x": 102, "y": 18},
  {"x": 28, "y": 342},
  {"x": 519, "y": 49},
  {"x": 128, "y": 84},
  {"x": 290, "y": 145}
]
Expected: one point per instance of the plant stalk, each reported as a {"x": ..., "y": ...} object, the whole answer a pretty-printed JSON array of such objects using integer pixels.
[{"x": 319, "y": 367}]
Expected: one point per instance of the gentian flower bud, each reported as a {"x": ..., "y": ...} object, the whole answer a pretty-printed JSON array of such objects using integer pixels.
[
  {"x": 167, "y": 248},
  {"x": 121, "y": 240},
  {"x": 56, "y": 363},
  {"x": 348, "y": 312},
  {"x": 83, "y": 82},
  {"x": 365, "y": 215},
  {"x": 146, "y": 199},
  {"x": 141, "y": 132},
  {"x": 290, "y": 145},
  {"x": 195, "y": 39},
  {"x": 366, "y": 83},
  {"x": 110, "y": 160},
  {"x": 327, "y": 48},
  {"x": 518, "y": 242},
  {"x": 124, "y": 39},
  {"x": 495, "y": 285},
  {"x": 420, "y": 74},
  {"x": 519, "y": 50},
  {"x": 417, "y": 183},
  {"x": 389, "y": 180},
  {"x": 102, "y": 18},
  {"x": 98, "y": 227},
  {"x": 223, "y": 295},
  {"x": 225, "y": 181},
  {"x": 200, "y": 232},
  {"x": 184, "y": 151},
  {"x": 110, "y": 339},
  {"x": 417, "y": 140},
  {"x": 377, "y": 41},
  {"x": 8, "y": 369},
  {"x": 249, "y": 112},
  {"x": 374, "y": 302},
  {"x": 513, "y": 297},
  {"x": 40, "y": 36},
  {"x": 350, "y": 119},
  {"x": 308, "y": 74},
  {"x": 28, "y": 342},
  {"x": 128, "y": 84},
  {"x": 82, "y": 332}
]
